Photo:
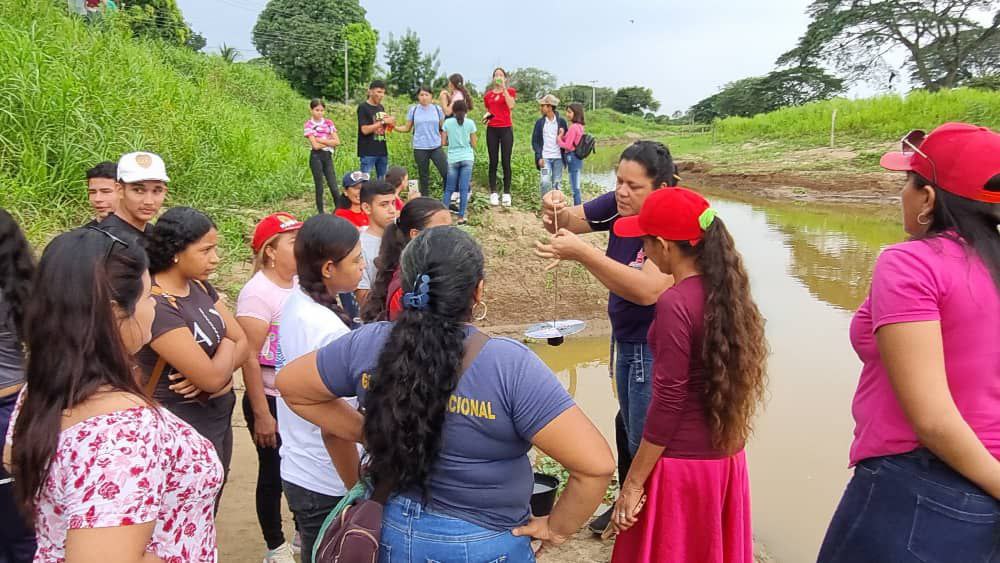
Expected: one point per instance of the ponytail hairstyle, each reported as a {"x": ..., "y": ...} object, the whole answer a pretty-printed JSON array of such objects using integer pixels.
[
  {"x": 968, "y": 222},
  {"x": 735, "y": 347},
  {"x": 415, "y": 215},
  {"x": 459, "y": 109},
  {"x": 458, "y": 83},
  {"x": 17, "y": 267},
  {"x": 656, "y": 159},
  {"x": 177, "y": 229},
  {"x": 323, "y": 238},
  {"x": 76, "y": 347},
  {"x": 420, "y": 364}
]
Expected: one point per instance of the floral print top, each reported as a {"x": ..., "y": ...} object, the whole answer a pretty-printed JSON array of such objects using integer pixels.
[{"x": 129, "y": 467}]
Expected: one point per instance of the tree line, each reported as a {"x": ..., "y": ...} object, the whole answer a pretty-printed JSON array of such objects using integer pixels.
[{"x": 943, "y": 44}]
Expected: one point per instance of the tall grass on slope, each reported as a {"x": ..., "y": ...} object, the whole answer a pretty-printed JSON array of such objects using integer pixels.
[
  {"x": 72, "y": 95},
  {"x": 880, "y": 118}
]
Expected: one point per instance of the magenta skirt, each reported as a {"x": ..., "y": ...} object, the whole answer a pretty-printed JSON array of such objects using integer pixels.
[{"x": 697, "y": 511}]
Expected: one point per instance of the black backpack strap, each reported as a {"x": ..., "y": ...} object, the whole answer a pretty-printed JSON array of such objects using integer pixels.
[{"x": 474, "y": 344}]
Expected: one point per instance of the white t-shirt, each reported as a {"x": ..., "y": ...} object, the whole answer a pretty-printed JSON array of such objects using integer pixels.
[
  {"x": 370, "y": 245},
  {"x": 306, "y": 326},
  {"x": 550, "y": 136}
]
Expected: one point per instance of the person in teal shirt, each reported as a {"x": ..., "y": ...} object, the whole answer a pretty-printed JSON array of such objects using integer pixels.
[{"x": 459, "y": 135}]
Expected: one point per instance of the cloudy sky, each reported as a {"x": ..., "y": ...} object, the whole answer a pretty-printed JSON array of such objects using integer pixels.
[{"x": 681, "y": 49}]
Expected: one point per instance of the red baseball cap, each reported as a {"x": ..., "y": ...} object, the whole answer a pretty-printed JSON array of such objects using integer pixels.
[
  {"x": 957, "y": 157},
  {"x": 272, "y": 225},
  {"x": 671, "y": 214}
]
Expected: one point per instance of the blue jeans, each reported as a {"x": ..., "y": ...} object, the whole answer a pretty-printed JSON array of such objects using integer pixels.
[
  {"x": 575, "y": 165},
  {"x": 411, "y": 532},
  {"x": 912, "y": 507},
  {"x": 634, "y": 380},
  {"x": 459, "y": 178},
  {"x": 379, "y": 163},
  {"x": 551, "y": 175}
]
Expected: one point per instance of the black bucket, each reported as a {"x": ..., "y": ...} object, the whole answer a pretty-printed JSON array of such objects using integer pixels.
[{"x": 544, "y": 496}]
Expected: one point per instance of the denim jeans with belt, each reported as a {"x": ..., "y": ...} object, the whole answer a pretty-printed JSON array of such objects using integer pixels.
[
  {"x": 634, "y": 380},
  {"x": 912, "y": 507},
  {"x": 411, "y": 532}
]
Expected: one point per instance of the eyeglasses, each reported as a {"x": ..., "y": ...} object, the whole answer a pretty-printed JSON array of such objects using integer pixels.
[
  {"x": 114, "y": 240},
  {"x": 911, "y": 144}
]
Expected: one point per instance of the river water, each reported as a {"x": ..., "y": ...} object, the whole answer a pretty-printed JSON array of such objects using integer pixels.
[{"x": 810, "y": 268}]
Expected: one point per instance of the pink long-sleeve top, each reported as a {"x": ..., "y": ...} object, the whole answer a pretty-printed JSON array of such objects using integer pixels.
[
  {"x": 676, "y": 418},
  {"x": 572, "y": 137}
]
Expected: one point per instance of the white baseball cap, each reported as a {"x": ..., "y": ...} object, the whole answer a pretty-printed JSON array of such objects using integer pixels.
[{"x": 140, "y": 166}]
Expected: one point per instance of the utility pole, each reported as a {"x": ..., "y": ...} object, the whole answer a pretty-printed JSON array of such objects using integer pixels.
[
  {"x": 593, "y": 87},
  {"x": 345, "y": 72}
]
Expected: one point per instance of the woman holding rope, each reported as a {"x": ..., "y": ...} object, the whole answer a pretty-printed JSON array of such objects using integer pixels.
[{"x": 634, "y": 283}]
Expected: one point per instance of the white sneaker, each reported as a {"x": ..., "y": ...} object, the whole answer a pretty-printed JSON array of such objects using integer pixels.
[
  {"x": 494, "y": 199},
  {"x": 454, "y": 197},
  {"x": 281, "y": 554},
  {"x": 506, "y": 200}
]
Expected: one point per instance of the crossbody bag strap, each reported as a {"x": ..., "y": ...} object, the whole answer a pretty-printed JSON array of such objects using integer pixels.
[
  {"x": 161, "y": 364},
  {"x": 474, "y": 344}
]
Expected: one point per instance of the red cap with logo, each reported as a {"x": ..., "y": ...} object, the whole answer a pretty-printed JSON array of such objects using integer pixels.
[
  {"x": 957, "y": 157},
  {"x": 272, "y": 225},
  {"x": 671, "y": 214}
]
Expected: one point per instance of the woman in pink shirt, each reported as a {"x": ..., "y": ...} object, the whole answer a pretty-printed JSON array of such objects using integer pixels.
[
  {"x": 927, "y": 408},
  {"x": 106, "y": 473},
  {"x": 686, "y": 498},
  {"x": 568, "y": 142},
  {"x": 323, "y": 138}
]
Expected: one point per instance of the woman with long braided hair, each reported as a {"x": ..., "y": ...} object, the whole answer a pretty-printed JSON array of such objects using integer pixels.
[
  {"x": 316, "y": 470},
  {"x": 450, "y": 416},
  {"x": 709, "y": 377}
]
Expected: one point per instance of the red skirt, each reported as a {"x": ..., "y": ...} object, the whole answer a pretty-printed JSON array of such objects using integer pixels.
[{"x": 697, "y": 511}]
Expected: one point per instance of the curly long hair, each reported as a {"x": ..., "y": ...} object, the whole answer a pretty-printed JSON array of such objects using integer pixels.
[
  {"x": 415, "y": 215},
  {"x": 72, "y": 332},
  {"x": 420, "y": 364},
  {"x": 735, "y": 348},
  {"x": 323, "y": 238},
  {"x": 17, "y": 267},
  {"x": 177, "y": 229}
]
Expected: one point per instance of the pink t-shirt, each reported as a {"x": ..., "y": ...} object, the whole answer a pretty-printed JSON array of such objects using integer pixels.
[
  {"x": 932, "y": 280},
  {"x": 321, "y": 130},
  {"x": 262, "y": 299},
  {"x": 131, "y": 467}
]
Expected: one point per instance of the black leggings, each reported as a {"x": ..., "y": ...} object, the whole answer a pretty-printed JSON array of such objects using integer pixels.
[
  {"x": 268, "y": 481},
  {"x": 500, "y": 140},
  {"x": 423, "y": 158},
  {"x": 321, "y": 164}
]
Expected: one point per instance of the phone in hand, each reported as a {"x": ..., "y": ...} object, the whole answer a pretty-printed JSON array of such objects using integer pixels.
[{"x": 487, "y": 118}]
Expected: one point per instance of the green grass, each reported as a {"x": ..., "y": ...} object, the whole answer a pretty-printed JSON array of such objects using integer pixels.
[
  {"x": 73, "y": 94},
  {"x": 882, "y": 118}
]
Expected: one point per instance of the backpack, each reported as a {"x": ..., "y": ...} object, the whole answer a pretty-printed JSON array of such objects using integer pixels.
[
  {"x": 352, "y": 530},
  {"x": 586, "y": 146}
]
